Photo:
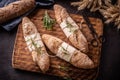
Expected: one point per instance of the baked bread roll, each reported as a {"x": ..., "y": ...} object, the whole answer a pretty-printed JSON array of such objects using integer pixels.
[
  {"x": 66, "y": 52},
  {"x": 15, "y": 9},
  {"x": 70, "y": 28},
  {"x": 35, "y": 44}
]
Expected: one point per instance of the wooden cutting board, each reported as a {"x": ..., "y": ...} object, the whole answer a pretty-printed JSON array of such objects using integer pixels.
[{"x": 22, "y": 58}]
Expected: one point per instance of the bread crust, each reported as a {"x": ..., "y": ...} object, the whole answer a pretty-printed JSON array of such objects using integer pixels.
[
  {"x": 41, "y": 57},
  {"x": 77, "y": 38},
  {"x": 15, "y": 9},
  {"x": 78, "y": 59}
]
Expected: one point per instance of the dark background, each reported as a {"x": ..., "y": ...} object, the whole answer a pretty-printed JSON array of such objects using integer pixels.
[{"x": 110, "y": 56}]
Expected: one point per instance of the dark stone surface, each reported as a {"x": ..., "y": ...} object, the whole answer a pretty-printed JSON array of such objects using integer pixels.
[{"x": 110, "y": 57}]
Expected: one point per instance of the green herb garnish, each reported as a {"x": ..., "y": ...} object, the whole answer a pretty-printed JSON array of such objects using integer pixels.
[
  {"x": 70, "y": 26},
  {"x": 37, "y": 49},
  {"x": 64, "y": 68},
  {"x": 67, "y": 78},
  {"x": 48, "y": 22},
  {"x": 65, "y": 51}
]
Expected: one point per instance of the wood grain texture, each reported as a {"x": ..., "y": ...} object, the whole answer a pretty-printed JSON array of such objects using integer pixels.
[{"x": 22, "y": 58}]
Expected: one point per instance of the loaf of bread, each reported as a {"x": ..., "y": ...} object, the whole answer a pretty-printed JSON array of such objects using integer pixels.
[
  {"x": 67, "y": 52},
  {"x": 35, "y": 44},
  {"x": 70, "y": 28},
  {"x": 15, "y": 9}
]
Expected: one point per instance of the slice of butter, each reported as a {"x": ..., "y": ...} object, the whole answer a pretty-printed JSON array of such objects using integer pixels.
[
  {"x": 36, "y": 39},
  {"x": 65, "y": 51}
]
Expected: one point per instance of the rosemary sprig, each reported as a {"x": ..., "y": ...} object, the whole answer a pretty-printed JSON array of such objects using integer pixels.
[
  {"x": 48, "y": 22},
  {"x": 70, "y": 26},
  {"x": 65, "y": 51},
  {"x": 28, "y": 40},
  {"x": 64, "y": 68},
  {"x": 67, "y": 78},
  {"x": 38, "y": 49}
]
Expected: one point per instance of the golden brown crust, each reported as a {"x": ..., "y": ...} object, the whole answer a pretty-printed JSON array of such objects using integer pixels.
[
  {"x": 40, "y": 56},
  {"x": 82, "y": 60},
  {"x": 57, "y": 10},
  {"x": 28, "y": 30},
  {"x": 60, "y": 13},
  {"x": 43, "y": 61},
  {"x": 15, "y": 9},
  {"x": 78, "y": 58},
  {"x": 77, "y": 38},
  {"x": 51, "y": 42}
]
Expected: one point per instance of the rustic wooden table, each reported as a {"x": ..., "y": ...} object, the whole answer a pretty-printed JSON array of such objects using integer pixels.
[{"x": 110, "y": 61}]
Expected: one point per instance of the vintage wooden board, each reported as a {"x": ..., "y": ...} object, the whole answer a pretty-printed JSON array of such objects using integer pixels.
[{"x": 22, "y": 58}]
